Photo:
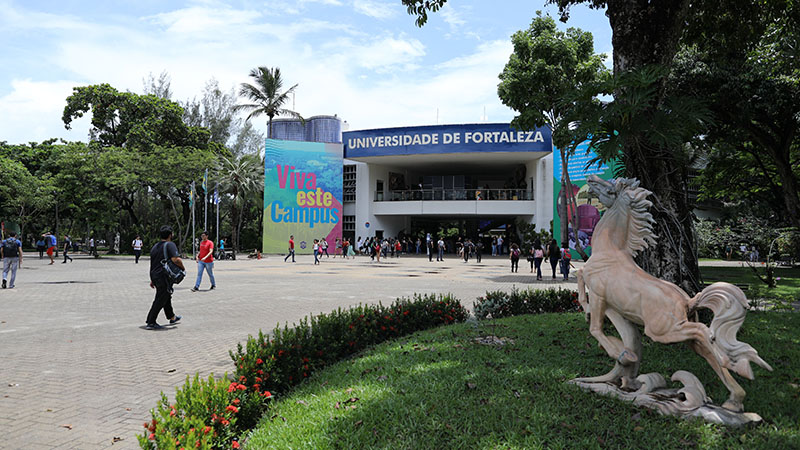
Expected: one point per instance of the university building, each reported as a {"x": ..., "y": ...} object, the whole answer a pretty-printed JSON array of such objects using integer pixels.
[{"x": 480, "y": 178}]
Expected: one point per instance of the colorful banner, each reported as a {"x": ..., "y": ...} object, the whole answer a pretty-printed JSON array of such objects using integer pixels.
[
  {"x": 589, "y": 208},
  {"x": 302, "y": 194}
]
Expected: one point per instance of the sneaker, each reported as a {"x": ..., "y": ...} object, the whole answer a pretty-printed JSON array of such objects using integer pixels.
[
  {"x": 194, "y": 289},
  {"x": 212, "y": 288},
  {"x": 153, "y": 326},
  {"x": 4, "y": 284},
  {"x": 175, "y": 320}
]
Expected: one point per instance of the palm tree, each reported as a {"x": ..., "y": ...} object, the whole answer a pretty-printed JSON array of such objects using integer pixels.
[
  {"x": 239, "y": 177},
  {"x": 266, "y": 96}
]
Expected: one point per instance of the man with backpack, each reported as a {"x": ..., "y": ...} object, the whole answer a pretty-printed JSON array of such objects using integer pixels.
[
  {"x": 159, "y": 278},
  {"x": 11, "y": 251}
]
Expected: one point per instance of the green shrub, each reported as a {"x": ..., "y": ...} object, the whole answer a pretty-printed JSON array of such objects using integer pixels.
[
  {"x": 206, "y": 414},
  {"x": 505, "y": 304},
  {"x": 290, "y": 355},
  {"x": 212, "y": 414}
]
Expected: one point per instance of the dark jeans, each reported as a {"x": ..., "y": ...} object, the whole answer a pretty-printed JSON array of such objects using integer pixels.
[
  {"x": 291, "y": 253},
  {"x": 41, "y": 251},
  {"x": 66, "y": 257},
  {"x": 163, "y": 301},
  {"x": 553, "y": 265},
  {"x": 137, "y": 253},
  {"x": 477, "y": 256},
  {"x": 515, "y": 264},
  {"x": 537, "y": 263}
]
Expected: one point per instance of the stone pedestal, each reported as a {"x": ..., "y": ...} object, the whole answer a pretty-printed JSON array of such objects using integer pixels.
[{"x": 687, "y": 402}]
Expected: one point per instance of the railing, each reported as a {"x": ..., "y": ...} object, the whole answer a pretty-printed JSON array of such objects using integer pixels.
[{"x": 453, "y": 194}]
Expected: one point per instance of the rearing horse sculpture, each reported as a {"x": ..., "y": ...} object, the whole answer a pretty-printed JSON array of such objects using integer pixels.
[{"x": 612, "y": 285}]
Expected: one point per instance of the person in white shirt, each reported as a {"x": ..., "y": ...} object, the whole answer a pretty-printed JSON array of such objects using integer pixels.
[{"x": 137, "y": 248}]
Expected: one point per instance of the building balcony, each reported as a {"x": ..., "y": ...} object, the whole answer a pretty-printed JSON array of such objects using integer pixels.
[{"x": 455, "y": 202}]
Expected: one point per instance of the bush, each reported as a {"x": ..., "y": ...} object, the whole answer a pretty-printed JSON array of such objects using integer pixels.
[
  {"x": 211, "y": 414},
  {"x": 501, "y": 304},
  {"x": 206, "y": 414}
]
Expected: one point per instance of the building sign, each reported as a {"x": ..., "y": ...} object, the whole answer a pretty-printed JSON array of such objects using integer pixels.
[
  {"x": 302, "y": 194},
  {"x": 489, "y": 137},
  {"x": 589, "y": 209}
]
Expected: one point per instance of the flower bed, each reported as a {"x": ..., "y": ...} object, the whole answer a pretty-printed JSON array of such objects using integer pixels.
[
  {"x": 498, "y": 304},
  {"x": 211, "y": 414}
]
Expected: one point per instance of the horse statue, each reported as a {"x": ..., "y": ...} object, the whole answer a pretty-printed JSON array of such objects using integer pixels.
[{"x": 611, "y": 285}]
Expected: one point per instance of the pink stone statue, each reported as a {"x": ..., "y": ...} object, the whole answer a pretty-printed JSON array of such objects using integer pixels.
[{"x": 612, "y": 285}]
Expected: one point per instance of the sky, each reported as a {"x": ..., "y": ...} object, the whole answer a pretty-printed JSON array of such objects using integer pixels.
[{"x": 363, "y": 60}]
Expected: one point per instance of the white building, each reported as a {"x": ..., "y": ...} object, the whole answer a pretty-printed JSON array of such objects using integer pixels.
[{"x": 481, "y": 178}]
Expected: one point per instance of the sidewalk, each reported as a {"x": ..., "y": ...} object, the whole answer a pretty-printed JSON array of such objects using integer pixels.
[{"x": 79, "y": 370}]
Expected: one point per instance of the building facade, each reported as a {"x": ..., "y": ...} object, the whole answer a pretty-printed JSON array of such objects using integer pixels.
[{"x": 479, "y": 178}]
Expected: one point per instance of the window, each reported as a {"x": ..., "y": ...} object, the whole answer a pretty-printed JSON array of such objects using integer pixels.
[
  {"x": 349, "y": 223},
  {"x": 349, "y": 183}
]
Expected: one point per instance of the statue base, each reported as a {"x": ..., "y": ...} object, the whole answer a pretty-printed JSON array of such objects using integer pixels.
[{"x": 688, "y": 402}]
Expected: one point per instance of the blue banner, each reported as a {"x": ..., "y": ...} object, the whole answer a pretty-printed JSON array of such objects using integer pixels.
[{"x": 434, "y": 139}]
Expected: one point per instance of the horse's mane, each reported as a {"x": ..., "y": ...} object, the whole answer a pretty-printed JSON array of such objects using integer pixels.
[{"x": 640, "y": 222}]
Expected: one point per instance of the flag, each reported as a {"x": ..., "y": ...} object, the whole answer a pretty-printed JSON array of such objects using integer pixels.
[
  {"x": 205, "y": 182},
  {"x": 215, "y": 197},
  {"x": 191, "y": 196}
]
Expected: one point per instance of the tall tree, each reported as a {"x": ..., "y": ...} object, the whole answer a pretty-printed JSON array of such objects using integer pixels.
[
  {"x": 644, "y": 34},
  {"x": 743, "y": 58},
  {"x": 547, "y": 66},
  {"x": 240, "y": 176},
  {"x": 266, "y": 96}
]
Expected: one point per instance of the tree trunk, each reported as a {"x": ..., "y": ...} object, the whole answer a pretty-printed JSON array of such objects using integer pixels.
[
  {"x": 646, "y": 33},
  {"x": 789, "y": 187}
]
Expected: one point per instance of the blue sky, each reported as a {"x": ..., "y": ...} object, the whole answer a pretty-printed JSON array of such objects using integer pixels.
[{"x": 364, "y": 60}]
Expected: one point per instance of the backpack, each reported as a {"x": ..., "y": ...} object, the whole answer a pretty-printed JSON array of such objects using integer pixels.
[
  {"x": 10, "y": 248},
  {"x": 515, "y": 252},
  {"x": 538, "y": 253}
]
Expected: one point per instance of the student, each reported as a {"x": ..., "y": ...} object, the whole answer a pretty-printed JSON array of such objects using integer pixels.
[
  {"x": 11, "y": 251},
  {"x": 291, "y": 249},
  {"x": 555, "y": 256},
  {"x": 316, "y": 251},
  {"x": 159, "y": 280},
  {"x": 514, "y": 254},
  {"x": 137, "y": 248},
  {"x": 566, "y": 260},
  {"x": 205, "y": 262},
  {"x": 67, "y": 248}
]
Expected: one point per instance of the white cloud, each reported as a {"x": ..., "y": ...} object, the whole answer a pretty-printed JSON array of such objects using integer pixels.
[
  {"x": 452, "y": 17},
  {"x": 32, "y": 112},
  {"x": 379, "y": 9}
]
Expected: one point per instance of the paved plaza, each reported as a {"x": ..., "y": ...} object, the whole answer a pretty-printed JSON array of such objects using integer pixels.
[{"x": 78, "y": 369}]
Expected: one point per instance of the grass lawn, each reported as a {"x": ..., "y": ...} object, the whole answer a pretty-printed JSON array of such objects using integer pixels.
[
  {"x": 440, "y": 389},
  {"x": 788, "y": 287}
]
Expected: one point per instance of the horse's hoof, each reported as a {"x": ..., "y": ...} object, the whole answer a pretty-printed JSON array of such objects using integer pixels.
[
  {"x": 627, "y": 357},
  {"x": 734, "y": 406}
]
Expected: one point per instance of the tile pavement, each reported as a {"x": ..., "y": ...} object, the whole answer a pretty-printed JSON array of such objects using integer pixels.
[{"x": 77, "y": 368}]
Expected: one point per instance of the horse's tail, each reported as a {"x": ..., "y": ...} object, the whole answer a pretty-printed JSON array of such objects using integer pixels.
[
  {"x": 582, "y": 297},
  {"x": 729, "y": 305}
]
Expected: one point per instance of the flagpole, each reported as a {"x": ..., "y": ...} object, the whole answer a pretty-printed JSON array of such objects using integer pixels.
[
  {"x": 194, "y": 248},
  {"x": 205, "y": 204},
  {"x": 216, "y": 200}
]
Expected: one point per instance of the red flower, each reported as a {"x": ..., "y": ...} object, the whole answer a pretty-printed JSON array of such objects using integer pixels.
[
  {"x": 232, "y": 409},
  {"x": 206, "y": 430},
  {"x": 152, "y": 437},
  {"x": 280, "y": 352},
  {"x": 383, "y": 328},
  {"x": 236, "y": 401},
  {"x": 305, "y": 360},
  {"x": 172, "y": 413},
  {"x": 260, "y": 372},
  {"x": 259, "y": 361},
  {"x": 259, "y": 380},
  {"x": 242, "y": 387},
  {"x": 224, "y": 422},
  {"x": 267, "y": 394},
  {"x": 235, "y": 444},
  {"x": 242, "y": 379},
  {"x": 146, "y": 424},
  {"x": 232, "y": 387},
  {"x": 256, "y": 387},
  {"x": 405, "y": 313},
  {"x": 305, "y": 366}
]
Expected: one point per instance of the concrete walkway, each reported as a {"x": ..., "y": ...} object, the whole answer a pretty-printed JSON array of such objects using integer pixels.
[{"x": 78, "y": 370}]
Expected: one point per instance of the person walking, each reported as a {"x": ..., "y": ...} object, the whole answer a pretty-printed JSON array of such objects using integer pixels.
[
  {"x": 538, "y": 256},
  {"x": 316, "y": 251},
  {"x": 51, "y": 246},
  {"x": 205, "y": 262},
  {"x": 11, "y": 251},
  {"x": 291, "y": 249},
  {"x": 500, "y": 246},
  {"x": 345, "y": 248},
  {"x": 494, "y": 246},
  {"x": 137, "y": 248},
  {"x": 440, "y": 244},
  {"x": 554, "y": 254},
  {"x": 159, "y": 280},
  {"x": 566, "y": 261},
  {"x": 40, "y": 247},
  {"x": 478, "y": 250},
  {"x": 513, "y": 254},
  {"x": 92, "y": 247},
  {"x": 323, "y": 248},
  {"x": 67, "y": 248}
]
